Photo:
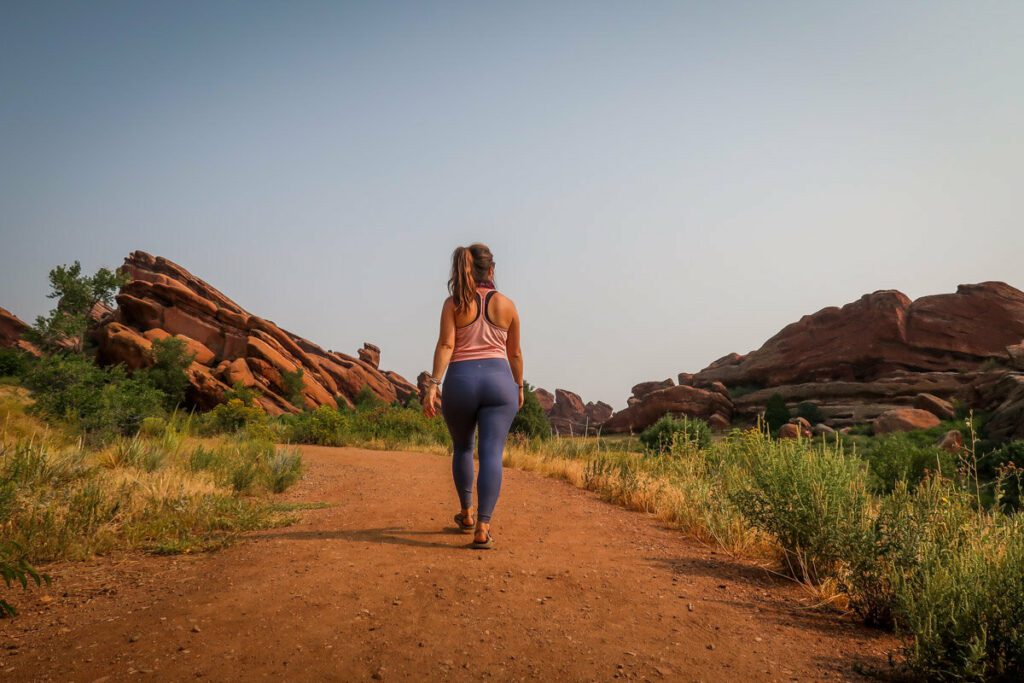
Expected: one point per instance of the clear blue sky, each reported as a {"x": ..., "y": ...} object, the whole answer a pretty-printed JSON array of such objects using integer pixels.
[{"x": 661, "y": 183}]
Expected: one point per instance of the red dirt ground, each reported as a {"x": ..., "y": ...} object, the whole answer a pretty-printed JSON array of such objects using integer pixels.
[{"x": 382, "y": 586}]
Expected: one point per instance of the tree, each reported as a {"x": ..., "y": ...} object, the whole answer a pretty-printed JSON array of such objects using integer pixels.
[
  {"x": 530, "y": 420},
  {"x": 293, "y": 386},
  {"x": 76, "y": 295},
  {"x": 170, "y": 358},
  {"x": 776, "y": 413}
]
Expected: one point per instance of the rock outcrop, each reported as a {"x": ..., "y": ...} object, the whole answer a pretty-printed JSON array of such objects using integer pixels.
[
  {"x": 883, "y": 334},
  {"x": 11, "y": 330},
  {"x": 674, "y": 400},
  {"x": 567, "y": 413},
  {"x": 230, "y": 345},
  {"x": 856, "y": 363}
]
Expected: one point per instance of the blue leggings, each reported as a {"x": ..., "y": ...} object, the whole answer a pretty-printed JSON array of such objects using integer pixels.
[{"x": 479, "y": 393}]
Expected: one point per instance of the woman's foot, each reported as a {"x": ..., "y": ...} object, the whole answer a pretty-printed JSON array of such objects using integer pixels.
[
  {"x": 482, "y": 535},
  {"x": 465, "y": 520}
]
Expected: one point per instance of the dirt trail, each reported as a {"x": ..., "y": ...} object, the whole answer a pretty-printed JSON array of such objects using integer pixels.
[{"x": 381, "y": 586}]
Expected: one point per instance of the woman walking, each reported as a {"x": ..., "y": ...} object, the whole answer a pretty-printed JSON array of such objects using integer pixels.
[{"x": 483, "y": 388}]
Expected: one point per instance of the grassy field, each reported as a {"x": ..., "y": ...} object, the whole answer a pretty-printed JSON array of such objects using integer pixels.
[{"x": 162, "y": 491}]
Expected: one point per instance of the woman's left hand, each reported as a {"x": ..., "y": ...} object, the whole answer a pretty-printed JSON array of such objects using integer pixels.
[
  {"x": 429, "y": 401},
  {"x": 521, "y": 398}
]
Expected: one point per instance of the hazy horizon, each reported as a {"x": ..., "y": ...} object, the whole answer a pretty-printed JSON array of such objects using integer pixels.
[{"x": 661, "y": 184}]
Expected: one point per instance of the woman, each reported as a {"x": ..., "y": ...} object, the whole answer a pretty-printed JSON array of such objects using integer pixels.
[{"x": 479, "y": 347}]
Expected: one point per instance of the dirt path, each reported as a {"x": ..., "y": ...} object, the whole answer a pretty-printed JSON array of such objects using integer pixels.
[{"x": 381, "y": 585}]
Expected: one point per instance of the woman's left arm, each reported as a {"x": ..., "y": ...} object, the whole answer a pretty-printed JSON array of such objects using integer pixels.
[{"x": 442, "y": 355}]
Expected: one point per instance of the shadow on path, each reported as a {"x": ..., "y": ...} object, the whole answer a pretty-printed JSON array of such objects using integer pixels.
[{"x": 377, "y": 535}]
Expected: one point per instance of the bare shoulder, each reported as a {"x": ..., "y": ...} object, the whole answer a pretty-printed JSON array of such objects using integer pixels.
[{"x": 504, "y": 302}]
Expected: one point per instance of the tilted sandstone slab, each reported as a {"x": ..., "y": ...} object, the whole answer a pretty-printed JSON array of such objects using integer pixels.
[{"x": 230, "y": 345}]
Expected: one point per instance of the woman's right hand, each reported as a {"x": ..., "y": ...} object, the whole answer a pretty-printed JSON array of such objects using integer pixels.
[{"x": 429, "y": 401}]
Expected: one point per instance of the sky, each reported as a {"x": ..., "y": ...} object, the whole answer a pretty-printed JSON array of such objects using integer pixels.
[{"x": 660, "y": 183}]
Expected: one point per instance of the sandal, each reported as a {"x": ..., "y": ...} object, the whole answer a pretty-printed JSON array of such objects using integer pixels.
[
  {"x": 483, "y": 545},
  {"x": 460, "y": 521}
]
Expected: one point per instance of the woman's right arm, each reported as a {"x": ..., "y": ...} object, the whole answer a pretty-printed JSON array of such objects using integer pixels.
[{"x": 442, "y": 355}]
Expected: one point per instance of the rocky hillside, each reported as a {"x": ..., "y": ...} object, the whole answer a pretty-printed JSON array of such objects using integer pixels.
[
  {"x": 230, "y": 345},
  {"x": 879, "y": 354}
]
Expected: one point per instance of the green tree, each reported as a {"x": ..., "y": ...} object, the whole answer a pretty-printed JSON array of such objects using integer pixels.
[
  {"x": 776, "y": 413},
  {"x": 810, "y": 412},
  {"x": 76, "y": 295},
  {"x": 293, "y": 385},
  {"x": 531, "y": 421},
  {"x": 167, "y": 374}
]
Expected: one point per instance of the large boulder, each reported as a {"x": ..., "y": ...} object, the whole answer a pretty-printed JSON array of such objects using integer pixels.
[
  {"x": 938, "y": 407},
  {"x": 676, "y": 400},
  {"x": 904, "y": 420},
  {"x": 229, "y": 344}
]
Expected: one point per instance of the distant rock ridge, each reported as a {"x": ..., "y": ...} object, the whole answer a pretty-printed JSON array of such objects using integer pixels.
[
  {"x": 855, "y": 363},
  {"x": 230, "y": 345}
]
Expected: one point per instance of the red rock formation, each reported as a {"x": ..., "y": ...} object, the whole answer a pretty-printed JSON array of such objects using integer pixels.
[
  {"x": 567, "y": 413},
  {"x": 11, "y": 330},
  {"x": 370, "y": 354},
  {"x": 879, "y": 354},
  {"x": 676, "y": 400},
  {"x": 644, "y": 388},
  {"x": 1002, "y": 394},
  {"x": 883, "y": 333},
  {"x": 936, "y": 406},
  {"x": 904, "y": 420},
  {"x": 545, "y": 398},
  {"x": 229, "y": 344}
]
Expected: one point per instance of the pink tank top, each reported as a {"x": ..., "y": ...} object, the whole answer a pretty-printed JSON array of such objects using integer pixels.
[{"x": 481, "y": 338}]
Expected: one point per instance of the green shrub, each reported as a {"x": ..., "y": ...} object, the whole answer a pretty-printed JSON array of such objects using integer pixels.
[
  {"x": 103, "y": 402},
  {"x": 814, "y": 499},
  {"x": 902, "y": 457},
  {"x": 810, "y": 412},
  {"x": 14, "y": 362},
  {"x": 14, "y": 568},
  {"x": 531, "y": 421},
  {"x": 669, "y": 434},
  {"x": 293, "y": 387},
  {"x": 232, "y": 416},
  {"x": 1007, "y": 457},
  {"x": 366, "y": 399},
  {"x": 167, "y": 374},
  {"x": 324, "y": 426},
  {"x": 776, "y": 413},
  {"x": 957, "y": 580},
  {"x": 284, "y": 468}
]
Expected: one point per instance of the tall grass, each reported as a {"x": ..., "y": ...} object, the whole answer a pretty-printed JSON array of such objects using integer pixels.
[{"x": 925, "y": 557}]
